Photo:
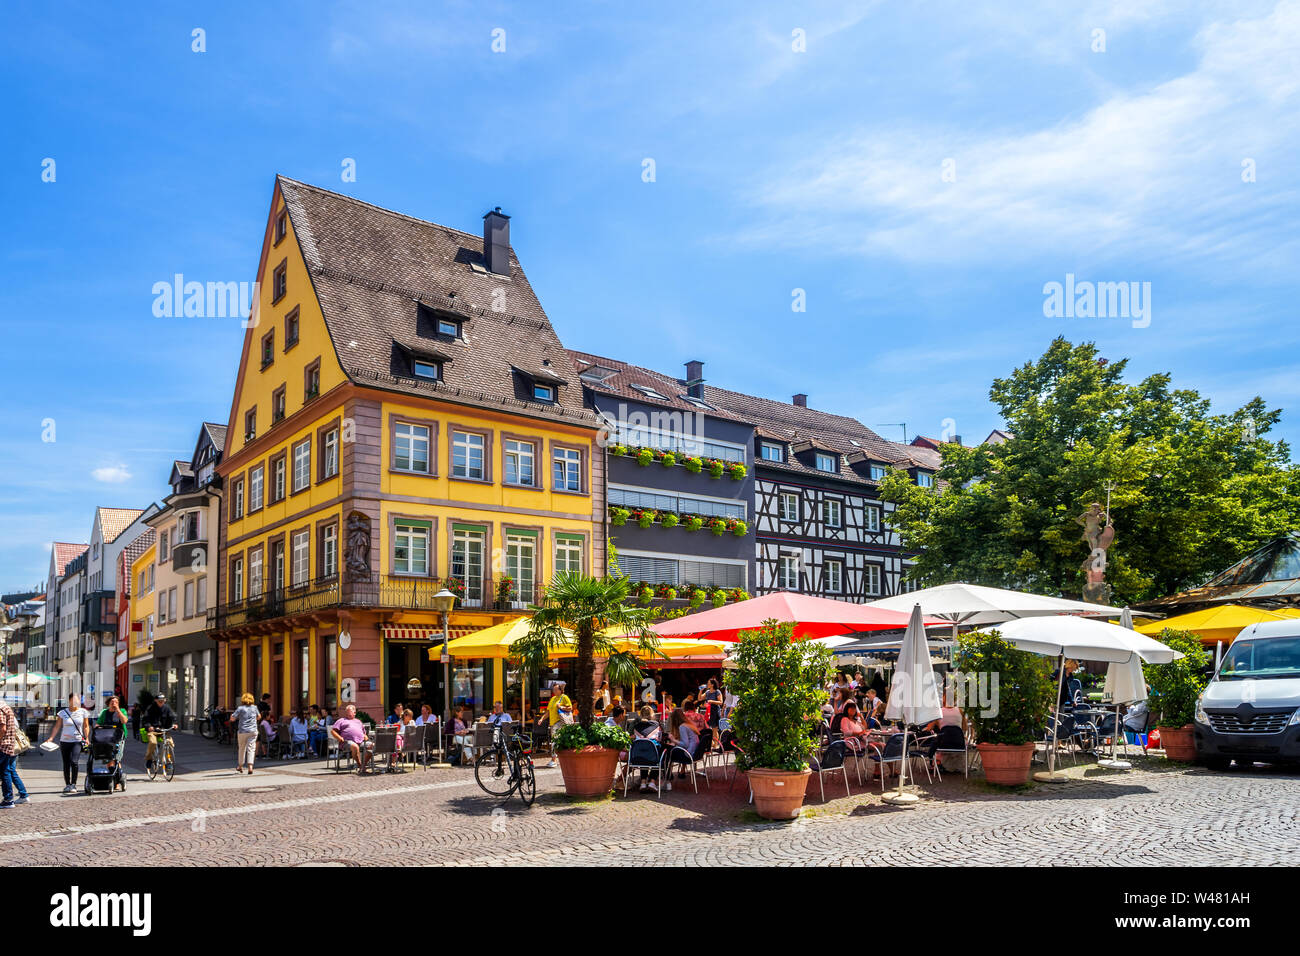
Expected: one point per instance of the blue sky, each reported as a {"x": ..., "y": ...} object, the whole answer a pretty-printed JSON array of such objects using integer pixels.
[{"x": 775, "y": 170}]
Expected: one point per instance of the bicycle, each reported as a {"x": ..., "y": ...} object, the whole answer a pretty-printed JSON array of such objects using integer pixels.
[
  {"x": 507, "y": 767},
  {"x": 215, "y": 725},
  {"x": 164, "y": 757}
]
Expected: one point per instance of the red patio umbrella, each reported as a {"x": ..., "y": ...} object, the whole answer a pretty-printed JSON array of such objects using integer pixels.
[{"x": 812, "y": 616}]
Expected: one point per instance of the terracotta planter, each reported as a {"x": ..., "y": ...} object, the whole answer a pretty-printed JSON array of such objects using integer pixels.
[
  {"x": 778, "y": 794},
  {"x": 588, "y": 772},
  {"x": 1006, "y": 764},
  {"x": 1179, "y": 743}
]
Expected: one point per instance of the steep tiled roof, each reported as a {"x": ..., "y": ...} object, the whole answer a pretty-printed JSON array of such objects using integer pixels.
[
  {"x": 65, "y": 553},
  {"x": 217, "y": 434},
  {"x": 142, "y": 543},
  {"x": 624, "y": 378},
  {"x": 183, "y": 468},
  {"x": 371, "y": 266},
  {"x": 113, "y": 521}
]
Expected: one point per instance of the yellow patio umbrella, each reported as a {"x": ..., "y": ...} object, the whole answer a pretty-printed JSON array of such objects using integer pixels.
[
  {"x": 668, "y": 646},
  {"x": 1222, "y": 623},
  {"x": 491, "y": 642}
]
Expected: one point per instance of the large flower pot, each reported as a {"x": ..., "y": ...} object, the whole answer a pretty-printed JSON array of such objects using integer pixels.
[
  {"x": 588, "y": 772},
  {"x": 1006, "y": 764},
  {"x": 1179, "y": 743},
  {"x": 778, "y": 794}
]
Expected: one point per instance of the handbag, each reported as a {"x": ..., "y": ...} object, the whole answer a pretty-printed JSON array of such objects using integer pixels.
[{"x": 21, "y": 742}]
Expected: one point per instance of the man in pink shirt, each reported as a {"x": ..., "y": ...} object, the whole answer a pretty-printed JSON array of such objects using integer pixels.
[{"x": 350, "y": 732}]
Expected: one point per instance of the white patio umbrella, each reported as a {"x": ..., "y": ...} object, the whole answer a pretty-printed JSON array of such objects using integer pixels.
[
  {"x": 913, "y": 694},
  {"x": 26, "y": 680},
  {"x": 1066, "y": 636},
  {"x": 976, "y": 605}
]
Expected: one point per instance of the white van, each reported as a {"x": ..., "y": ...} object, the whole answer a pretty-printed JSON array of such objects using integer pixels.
[{"x": 1251, "y": 709}]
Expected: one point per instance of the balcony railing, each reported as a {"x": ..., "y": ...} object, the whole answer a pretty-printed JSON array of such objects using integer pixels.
[{"x": 378, "y": 591}]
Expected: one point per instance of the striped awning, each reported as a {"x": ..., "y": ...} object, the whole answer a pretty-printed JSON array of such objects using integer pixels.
[{"x": 422, "y": 635}]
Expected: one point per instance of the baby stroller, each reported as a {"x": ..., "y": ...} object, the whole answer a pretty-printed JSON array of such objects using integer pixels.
[{"x": 103, "y": 768}]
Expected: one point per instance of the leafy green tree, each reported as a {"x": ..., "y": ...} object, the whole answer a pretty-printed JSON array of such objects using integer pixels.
[
  {"x": 582, "y": 611},
  {"x": 1193, "y": 491}
]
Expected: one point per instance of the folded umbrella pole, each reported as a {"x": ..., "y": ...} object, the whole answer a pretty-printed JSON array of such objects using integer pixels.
[{"x": 913, "y": 695}]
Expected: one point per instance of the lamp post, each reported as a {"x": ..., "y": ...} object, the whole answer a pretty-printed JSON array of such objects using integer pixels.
[{"x": 443, "y": 602}]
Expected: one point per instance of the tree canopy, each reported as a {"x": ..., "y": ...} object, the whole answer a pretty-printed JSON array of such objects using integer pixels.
[{"x": 1192, "y": 491}]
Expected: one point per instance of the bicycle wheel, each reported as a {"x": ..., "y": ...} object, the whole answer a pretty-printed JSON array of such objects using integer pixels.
[
  {"x": 527, "y": 780},
  {"x": 208, "y": 729},
  {"x": 152, "y": 768},
  {"x": 169, "y": 762},
  {"x": 492, "y": 771}
]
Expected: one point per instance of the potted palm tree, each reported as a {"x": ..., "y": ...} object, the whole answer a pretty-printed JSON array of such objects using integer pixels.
[
  {"x": 1176, "y": 687},
  {"x": 582, "y": 611},
  {"x": 1005, "y": 732},
  {"x": 780, "y": 686}
]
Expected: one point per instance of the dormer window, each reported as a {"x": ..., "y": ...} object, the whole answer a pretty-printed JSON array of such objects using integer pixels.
[
  {"x": 543, "y": 393},
  {"x": 827, "y": 462},
  {"x": 878, "y": 472},
  {"x": 924, "y": 479},
  {"x": 426, "y": 370},
  {"x": 771, "y": 451},
  {"x": 449, "y": 328}
]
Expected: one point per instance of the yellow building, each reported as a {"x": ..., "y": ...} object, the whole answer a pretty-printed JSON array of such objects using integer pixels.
[
  {"x": 404, "y": 419},
  {"x": 142, "y": 671}
]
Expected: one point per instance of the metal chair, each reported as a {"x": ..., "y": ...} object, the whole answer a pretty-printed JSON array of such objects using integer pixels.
[
  {"x": 952, "y": 740},
  {"x": 385, "y": 746},
  {"x": 338, "y": 753},
  {"x": 680, "y": 755},
  {"x": 644, "y": 754},
  {"x": 831, "y": 759},
  {"x": 485, "y": 738},
  {"x": 892, "y": 752}
]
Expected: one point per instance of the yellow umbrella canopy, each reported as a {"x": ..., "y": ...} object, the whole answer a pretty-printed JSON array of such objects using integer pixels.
[
  {"x": 494, "y": 642},
  {"x": 1222, "y": 623}
]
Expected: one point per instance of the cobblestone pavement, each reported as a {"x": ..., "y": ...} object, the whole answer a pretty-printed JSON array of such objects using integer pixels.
[{"x": 1153, "y": 815}]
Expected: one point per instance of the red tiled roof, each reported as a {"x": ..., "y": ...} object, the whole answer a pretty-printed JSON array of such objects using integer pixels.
[
  {"x": 113, "y": 521},
  {"x": 65, "y": 554}
]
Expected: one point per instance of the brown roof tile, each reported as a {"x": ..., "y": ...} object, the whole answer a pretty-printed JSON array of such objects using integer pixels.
[{"x": 372, "y": 268}]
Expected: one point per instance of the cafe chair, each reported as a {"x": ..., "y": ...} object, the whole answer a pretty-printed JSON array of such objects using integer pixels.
[
  {"x": 385, "y": 747},
  {"x": 644, "y": 754},
  {"x": 952, "y": 740},
  {"x": 831, "y": 759},
  {"x": 683, "y": 757},
  {"x": 337, "y": 753}
]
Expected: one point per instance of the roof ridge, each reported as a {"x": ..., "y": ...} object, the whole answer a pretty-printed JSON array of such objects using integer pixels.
[{"x": 383, "y": 209}]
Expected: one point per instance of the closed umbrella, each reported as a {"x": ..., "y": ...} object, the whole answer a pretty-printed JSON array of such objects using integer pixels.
[
  {"x": 1125, "y": 684},
  {"x": 913, "y": 694}
]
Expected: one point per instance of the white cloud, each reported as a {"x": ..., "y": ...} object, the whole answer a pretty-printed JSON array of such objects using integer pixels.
[
  {"x": 1154, "y": 171},
  {"x": 111, "y": 474}
]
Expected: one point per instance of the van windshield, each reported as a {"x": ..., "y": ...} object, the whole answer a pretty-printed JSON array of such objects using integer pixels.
[{"x": 1278, "y": 657}]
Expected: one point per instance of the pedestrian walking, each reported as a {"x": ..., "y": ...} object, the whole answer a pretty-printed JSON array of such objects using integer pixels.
[
  {"x": 9, "y": 779},
  {"x": 72, "y": 727},
  {"x": 245, "y": 719}
]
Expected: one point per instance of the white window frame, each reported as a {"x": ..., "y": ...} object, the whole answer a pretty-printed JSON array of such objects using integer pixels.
[
  {"x": 872, "y": 578},
  {"x": 330, "y": 464},
  {"x": 464, "y": 446},
  {"x": 407, "y": 535},
  {"x": 570, "y": 546},
  {"x": 256, "y": 488},
  {"x": 461, "y": 550},
  {"x": 255, "y": 574},
  {"x": 412, "y": 437},
  {"x": 878, "y": 472},
  {"x": 566, "y": 464},
  {"x": 543, "y": 393},
  {"x": 302, "y": 464},
  {"x": 871, "y": 518},
  {"x": 445, "y": 324},
  {"x": 771, "y": 446},
  {"x": 827, "y": 463},
  {"x": 784, "y": 563},
  {"x": 330, "y": 551},
  {"x": 836, "y": 506},
  {"x": 300, "y": 559},
  {"x": 427, "y": 370},
  {"x": 519, "y": 547},
  {"x": 924, "y": 479},
  {"x": 239, "y": 499},
  {"x": 515, "y": 452},
  {"x": 786, "y": 498},
  {"x": 838, "y": 579},
  {"x": 279, "y": 474},
  {"x": 237, "y": 573}
]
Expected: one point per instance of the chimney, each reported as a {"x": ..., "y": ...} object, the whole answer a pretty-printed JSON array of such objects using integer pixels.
[
  {"x": 695, "y": 379},
  {"x": 801, "y": 400},
  {"x": 496, "y": 242}
]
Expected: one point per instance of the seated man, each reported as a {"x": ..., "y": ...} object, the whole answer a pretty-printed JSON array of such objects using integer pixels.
[{"x": 351, "y": 733}]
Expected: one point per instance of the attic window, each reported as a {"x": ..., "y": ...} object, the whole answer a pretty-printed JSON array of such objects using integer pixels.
[
  {"x": 826, "y": 463},
  {"x": 449, "y": 328},
  {"x": 279, "y": 282},
  {"x": 771, "y": 451},
  {"x": 428, "y": 370},
  {"x": 698, "y": 403},
  {"x": 877, "y": 472},
  {"x": 925, "y": 479},
  {"x": 543, "y": 393},
  {"x": 281, "y": 225},
  {"x": 649, "y": 392}
]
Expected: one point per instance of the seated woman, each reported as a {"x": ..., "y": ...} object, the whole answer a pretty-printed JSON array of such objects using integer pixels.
[
  {"x": 692, "y": 711},
  {"x": 854, "y": 728},
  {"x": 683, "y": 737},
  {"x": 298, "y": 730}
]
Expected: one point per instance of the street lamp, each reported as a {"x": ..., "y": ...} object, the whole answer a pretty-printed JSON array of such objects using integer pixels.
[{"x": 443, "y": 602}]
